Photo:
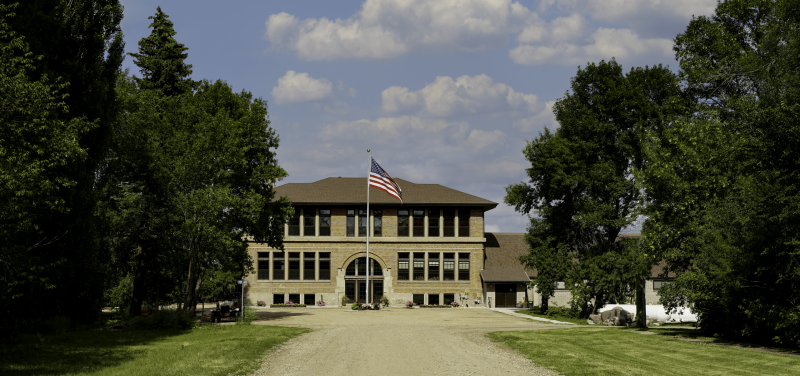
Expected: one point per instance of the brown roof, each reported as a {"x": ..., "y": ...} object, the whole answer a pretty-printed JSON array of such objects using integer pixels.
[
  {"x": 353, "y": 191},
  {"x": 505, "y": 275},
  {"x": 503, "y": 249}
]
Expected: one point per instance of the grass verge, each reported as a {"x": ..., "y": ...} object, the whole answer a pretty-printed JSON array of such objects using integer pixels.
[
  {"x": 207, "y": 350},
  {"x": 557, "y": 318},
  {"x": 611, "y": 351}
]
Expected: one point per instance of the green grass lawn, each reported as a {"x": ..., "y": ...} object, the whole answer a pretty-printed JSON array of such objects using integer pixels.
[
  {"x": 557, "y": 318},
  {"x": 612, "y": 351},
  {"x": 208, "y": 350}
]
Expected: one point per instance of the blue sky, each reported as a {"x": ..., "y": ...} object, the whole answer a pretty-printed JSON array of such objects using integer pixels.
[{"x": 444, "y": 92}]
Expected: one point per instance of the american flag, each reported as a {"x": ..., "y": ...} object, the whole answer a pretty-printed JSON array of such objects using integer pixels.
[{"x": 379, "y": 178}]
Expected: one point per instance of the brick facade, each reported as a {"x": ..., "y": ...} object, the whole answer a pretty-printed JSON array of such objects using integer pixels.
[{"x": 384, "y": 249}]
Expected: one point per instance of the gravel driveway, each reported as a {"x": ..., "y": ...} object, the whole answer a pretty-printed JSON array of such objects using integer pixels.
[{"x": 397, "y": 341}]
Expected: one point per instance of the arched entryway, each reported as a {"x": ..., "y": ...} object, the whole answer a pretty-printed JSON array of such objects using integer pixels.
[{"x": 355, "y": 280}]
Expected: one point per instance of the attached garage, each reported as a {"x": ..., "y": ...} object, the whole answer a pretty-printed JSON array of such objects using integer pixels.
[
  {"x": 505, "y": 281},
  {"x": 505, "y": 287}
]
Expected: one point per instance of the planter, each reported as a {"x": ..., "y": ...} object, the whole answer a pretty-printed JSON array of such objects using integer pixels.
[{"x": 287, "y": 306}]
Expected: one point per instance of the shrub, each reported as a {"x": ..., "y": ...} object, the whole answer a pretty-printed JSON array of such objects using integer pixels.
[
  {"x": 345, "y": 300},
  {"x": 409, "y": 304},
  {"x": 355, "y": 306},
  {"x": 455, "y": 304},
  {"x": 249, "y": 316},
  {"x": 167, "y": 319},
  {"x": 261, "y": 303},
  {"x": 556, "y": 311},
  {"x": 384, "y": 300}
]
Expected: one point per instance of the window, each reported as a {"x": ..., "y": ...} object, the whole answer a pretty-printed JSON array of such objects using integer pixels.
[
  {"x": 560, "y": 285},
  {"x": 294, "y": 266},
  {"x": 308, "y": 299},
  {"x": 419, "y": 266},
  {"x": 449, "y": 298},
  {"x": 308, "y": 266},
  {"x": 277, "y": 266},
  {"x": 263, "y": 265},
  {"x": 418, "y": 217},
  {"x": 449, "y": 267},
  {"x": 463, "y": 223},
  {"x": 263, "y": 269},
  {"x": 433, "y": 267},
  {"x": 351, "y": 222},
  {"x": 377, "y": 223},
  {"x": 278, "y": 299},
  {"x": 463, "y": 266},
  {"x": 402, "y": 266},
  {"x": 657, "y": 285},
  {"x": 358, "y": 268},
  {"x": 362, "y": 222},
  {"x": 294, "y": 223},
  {"x": 418, "y": 298},
  {"x": 309, "y": 215},
  {"x": 402, "y": 222},
  {"x": 433, "y": 222},
  {"x": 449, "y": 219},
  {"x": 324, "y": 222},
  {"x": 433, "y": 299},
  {"x": 324, "y": 266},
  {"x": 294, "y": 298}
]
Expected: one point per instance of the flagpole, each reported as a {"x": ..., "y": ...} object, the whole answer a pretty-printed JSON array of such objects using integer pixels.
[{"x": 369, "y": 171}]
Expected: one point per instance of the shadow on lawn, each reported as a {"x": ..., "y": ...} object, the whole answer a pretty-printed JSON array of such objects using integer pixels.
[
  {"x": 270, "y": 316},
  {"x": 696, "y": 335},
  {"x": 76, "y": 352}
]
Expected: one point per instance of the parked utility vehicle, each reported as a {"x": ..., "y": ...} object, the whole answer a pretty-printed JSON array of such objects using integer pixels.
[{"x": 226, "y": 310}]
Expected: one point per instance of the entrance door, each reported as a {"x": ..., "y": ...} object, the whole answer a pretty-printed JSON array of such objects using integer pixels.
[
  {"x": 356, "y": 290},
  {"x": 505, "y": 295}
]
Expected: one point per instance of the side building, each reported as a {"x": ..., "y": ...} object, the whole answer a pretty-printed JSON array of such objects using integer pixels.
[{"x": 429, "y": 250}]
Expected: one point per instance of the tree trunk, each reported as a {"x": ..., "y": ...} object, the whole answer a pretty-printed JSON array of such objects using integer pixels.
[
  {"x": 545, "y": 303},
  {"x": 190, "y": 283},
  {"x": 641, "y": 305},
  {"x": 196, "y": 294},
  {"x": 139, "y": 283}
]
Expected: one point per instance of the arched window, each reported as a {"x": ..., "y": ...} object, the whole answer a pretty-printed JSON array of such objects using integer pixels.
[{"x": 358, "y": 268}]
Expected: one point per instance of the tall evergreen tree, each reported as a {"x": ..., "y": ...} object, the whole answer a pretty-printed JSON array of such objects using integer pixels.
[
  {"x": 161, "y": 59},
  {"x": 192, "y": 171}
]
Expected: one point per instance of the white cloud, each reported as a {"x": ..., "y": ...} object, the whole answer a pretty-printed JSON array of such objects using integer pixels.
[
  {"x": 624, "y": 10},
  {"x": 418, "y": 149},
  {"x": 464, "y": 95},
  {"x": 296, "y": 88},
  {"x": 390, "y": 28},
  {"x": 537, "y": 123},
  {"x": 479, "y": 140},
  {"x": 346, "y": 89},
  {"x": 606, "y": 43}
]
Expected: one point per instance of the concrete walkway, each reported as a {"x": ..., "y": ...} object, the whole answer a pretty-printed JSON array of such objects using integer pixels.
[{"x": 512, "y": 312}]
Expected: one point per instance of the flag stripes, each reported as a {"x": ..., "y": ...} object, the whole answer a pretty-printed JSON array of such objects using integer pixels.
[{"x": 379, "y": 178}]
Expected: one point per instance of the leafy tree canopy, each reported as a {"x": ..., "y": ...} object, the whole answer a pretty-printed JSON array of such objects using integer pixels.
[{"x": 582, "y": 182}]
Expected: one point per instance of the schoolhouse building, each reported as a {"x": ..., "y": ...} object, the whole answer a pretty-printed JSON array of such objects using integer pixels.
[{"x": 431, "y": 249}]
